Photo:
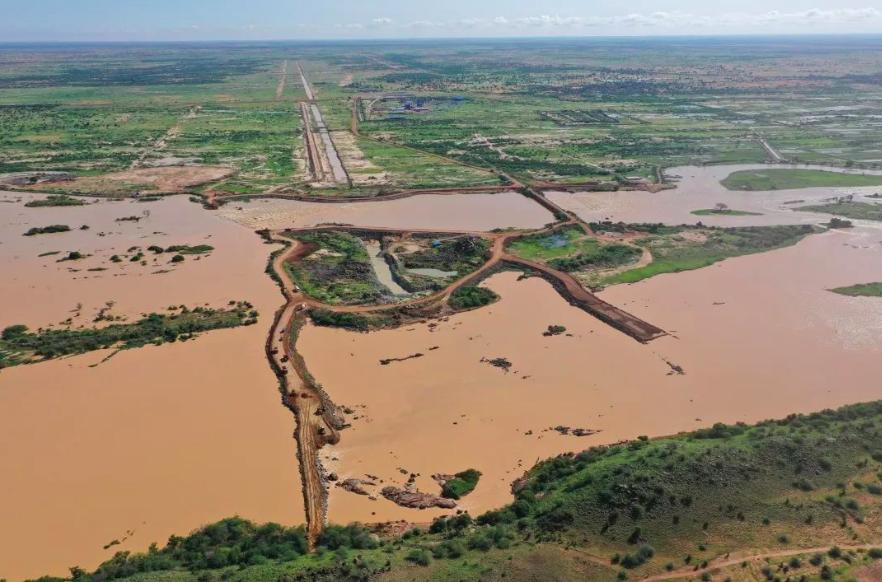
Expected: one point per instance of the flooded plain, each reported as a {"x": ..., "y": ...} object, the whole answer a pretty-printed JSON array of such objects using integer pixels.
[
  {"x": 160, "y": 440},
  {"x": 428, "y": 211},
  {"x": 757, "y": 336},
  {"x": 153, "y": 441},
  {"x": 699, "y": 188}
]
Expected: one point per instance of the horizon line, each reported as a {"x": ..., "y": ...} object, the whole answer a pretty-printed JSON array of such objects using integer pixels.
[{"x": 450, "y": 38}]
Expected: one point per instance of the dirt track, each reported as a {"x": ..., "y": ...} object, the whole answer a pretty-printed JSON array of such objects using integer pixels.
[
  {"x": 283, "y": 77},
  {"x": 691, "y": 572},
  {"x": 315, "y": 420}
]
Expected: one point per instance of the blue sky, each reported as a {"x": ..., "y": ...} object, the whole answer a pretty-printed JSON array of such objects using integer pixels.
[{"x": 65, "y": 20}]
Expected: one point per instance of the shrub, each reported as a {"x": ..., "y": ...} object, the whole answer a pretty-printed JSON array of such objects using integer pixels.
[
  {"x": 419, "y": 556},
  {"x": 471, "y": 297},
  {"x": 462, "y": 484}
]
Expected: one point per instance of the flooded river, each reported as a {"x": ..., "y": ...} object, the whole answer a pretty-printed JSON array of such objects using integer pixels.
[
  {"x": 154, "y": 441},
  {"x": 758, "y": 337},
  {"x": 699, "y": 188},
  {"x": 441, "y": 211},
  {"x": 160, "y": 440}
]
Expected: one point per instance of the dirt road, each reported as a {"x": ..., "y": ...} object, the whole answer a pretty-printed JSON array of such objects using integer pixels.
[
  {"x": 692, "y": 573},
  {"x": 316, "y": 423},
  {"x": 283, "y": 78}
]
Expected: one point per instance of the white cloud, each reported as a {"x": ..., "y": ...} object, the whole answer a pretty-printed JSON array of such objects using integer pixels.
[{"x": 664, "y": 22}]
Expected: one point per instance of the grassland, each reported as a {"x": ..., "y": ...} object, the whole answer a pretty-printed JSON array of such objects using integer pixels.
[
  {"x": 615, "y": 512},
  {"x": 19, "y": 345},
  {"x": 848, "y": 209},
  {"x": 676, "y": 249},
  {"x": 787, "y": 179},
  {"x": 572, "y": 111},
  {"x": 861, "y": 290},
  {"x": 571, "y": 249}
]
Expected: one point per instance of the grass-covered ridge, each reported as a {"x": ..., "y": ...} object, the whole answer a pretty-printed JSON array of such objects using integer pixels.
[
  {"x": 860, "y": 290},
  {"x": 19, "y": 345},
  {"x": 789, "y": 179},
  {"x": 641, "y": 507}
]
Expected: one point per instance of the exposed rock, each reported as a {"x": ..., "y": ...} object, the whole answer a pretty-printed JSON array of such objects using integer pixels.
[
  {"x": 501, "y": 363},
  {"x": 355, "y": 486},
  {"x": 416, "y": 499},
  {"x": 579, "y": 432}
]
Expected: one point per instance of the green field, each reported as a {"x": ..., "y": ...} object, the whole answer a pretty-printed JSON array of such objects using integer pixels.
[
  {"x": 571, "y": 111},
  {"x": 854, "y": 210},
  {"x": 570, "y": 249},
  {"x": 786, "y": 179},
  {"x": 676, "y": 249},
  {"x": 634, "y": 509},
  {"x": 861, "y": 290}
]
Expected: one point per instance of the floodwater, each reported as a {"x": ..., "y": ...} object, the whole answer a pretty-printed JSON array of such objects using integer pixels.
[
  {"x": 153, "y": 441},
  {"x": 699, "y": 188},
  {"x": 382, "y": 268},
  {"x": 758, "y": 337},
  {"x": 428, "y": 211}
]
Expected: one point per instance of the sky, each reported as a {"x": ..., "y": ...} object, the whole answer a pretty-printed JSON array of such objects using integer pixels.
[{"x": 176, "y": 20}]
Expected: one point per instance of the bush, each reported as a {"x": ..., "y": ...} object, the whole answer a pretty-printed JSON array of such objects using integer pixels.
[
  {"x": 419, "y": 556},
  {"x": 333, "y": 319},
  {"x": 471, "y": 297},
  {"x": 638, "y": 558},
  {"x": 462, "y": 484}
]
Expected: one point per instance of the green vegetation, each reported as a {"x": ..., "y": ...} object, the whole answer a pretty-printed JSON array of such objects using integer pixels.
[
  {"x": 338, "y": 270},
  {"x": 190, "y": 250},
  {"x": 563, "y": 242},
  {"x": 684, "y": 248},
  {"x": 461, "y": 254},
  {"x": 55, "y": 200},
  {"x": 848, "y": 209},
  {"x": 47, "y": 229},
  {"x": 788, "y": 179},
  {"x": 18, "y": 345},
  {"x": 471, "y": 297},
  {"x": 449, "y": 258},
  {"x": 554, "y": 330},
  {"x": 641, "y": 507},
  {"x": 328, "y": 318},
  {"x": 72, "y": 256},
  {"x": 860, "y": 290},
  {"x": 461, "y": 485},
  {"x": 571, "y": 249}
]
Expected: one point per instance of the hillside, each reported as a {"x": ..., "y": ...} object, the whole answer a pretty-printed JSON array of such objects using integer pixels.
[{"x": 768, "y": 501}]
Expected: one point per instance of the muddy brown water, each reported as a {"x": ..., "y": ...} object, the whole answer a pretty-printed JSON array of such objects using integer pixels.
[
  {"x": 158, "y": 440},
  {"x": 758, "y": 337},
  {"x": 699, "y": 188},
  {"x": 163, "y": 439},
  {"x": 444, "y": 212}
]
